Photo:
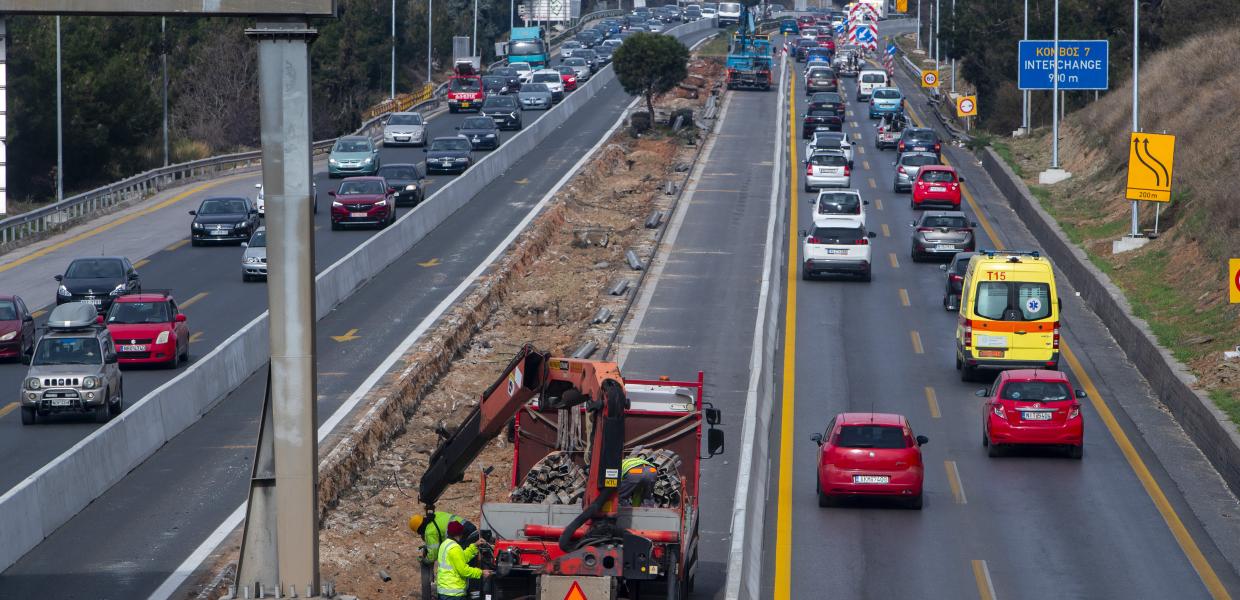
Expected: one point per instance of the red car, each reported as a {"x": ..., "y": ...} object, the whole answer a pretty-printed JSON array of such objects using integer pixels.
[
  {"x": 870, "y": 454},
  {"x": 148, "y": 328},
  {"x": 1032, "y": 407},
  {"x": 937, "y": 185},
  {"x": 16, "y": 328},
  {"x": 806, "y": 21},
  {"x": 827, "y": 41},
  {"x": 363, "y": 201},
  {"x": 569, "y": 76}
]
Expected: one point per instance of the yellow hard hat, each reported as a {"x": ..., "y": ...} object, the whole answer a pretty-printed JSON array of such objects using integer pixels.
[{"x": 415, "y": 523}]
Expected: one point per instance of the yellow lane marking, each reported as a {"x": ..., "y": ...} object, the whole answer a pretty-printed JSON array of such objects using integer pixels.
[
  {"x": 873, "y": 184},
  {"x": 176, "y": 245},
  {"x": 1182, "y": 537},
  {"x": 933, "y": 400},
  {"x": 783, "y": 518},
  {"x": 194, "y": 298},
  {"x": 886, "y": 231},
  {"x": 108, "y": 226},
  {"x": 953, "y": 480},
  {"x": 854, "y": 124},
  {"x": 916, "y": 342},
  {"x": 430, "y": 263},
  {"x": 348, "y": 336},
  {"x": 895, "y": 263},
  {"x": 878, "y": 203},
  {"x": 904, "y": 297},
  {"x": 985, "y": 587},
  {"x": 197, "y": 335},
  {"x": 8, "y": 408},
  {"x": 865, "y": 164},
  {"x": 522, "y": 181},
  {"x": 142, "y": 263},
  {"x": 38, "y": 313}
]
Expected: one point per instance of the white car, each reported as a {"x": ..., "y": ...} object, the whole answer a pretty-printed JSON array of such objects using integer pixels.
[
  {"x": 870, "y": 80},
  {"x": 254, "y": 259},
  {"x": 827, "y": 168},
  {"x": 836, "y": 246},
  {"x": 833, "y": 204},
  {"x": 554, "y": 81},
  {"x": 523, "y": 69},
  {"x": 709, "y": 13},
  {"x": 729, "y": 14},
  {"x": 261, "y": 205},
  {"x": 567, "y": 48},
  {"x": 830, "y": 140},
  {"x": 404, "y": 128}
]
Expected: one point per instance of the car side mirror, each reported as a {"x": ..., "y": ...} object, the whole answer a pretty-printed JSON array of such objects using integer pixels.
[
  {"x": 714, "y": 441},
  {"x": 817, "y": 438},
  {"x": 99, "y": 319},
  {"x": 425, "y": 150},
  {"x": 922, "y": 440},
  {"x": 245, "y": 244},
  {"x": 804, "y": 233},
  {"x": 192, "y": 212},
  {"x": 865, "y": 202},
  {"x": 331, "y": 193},
  {"x": 391, "y": 190},
  {"x": 27, "y": 317},
  {"x": 942, "y": 267},
  {"x": 962, "y": 180},
  {"x": 713, "y": 416},
  {"x": 1081, "y": 394},
  {"x": 58, "y": 277},
  {"x": 133, "y": 275},
  {"x": 871, "y": 235},
  {"x": 25, "y": 359},
  {"x": 253, "y": 211},
  {"x": 258, "y": 186},
  {"x": 972, "y": 223},
  {"x": 980, "y": 393},
  {"x": 458, "y": 128},
  {"x": 109, "y": 359},
  {"x": 180, "y": 318}
]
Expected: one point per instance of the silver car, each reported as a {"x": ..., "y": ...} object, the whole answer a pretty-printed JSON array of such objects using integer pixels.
[
  {"x": 568, "y": 48},
  {"x": 907, "y": 167},
  {"x": 405, "y": 128},
  {"x": 534, "y": 96},
  {"x": 941, "y": 234},
  {"x": 74, "y": 368},
  {"x": 580, "y": 67},
  {"x": 254, "y": 260}
]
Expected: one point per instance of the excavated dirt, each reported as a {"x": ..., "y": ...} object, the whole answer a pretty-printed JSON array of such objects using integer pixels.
[{"x": 588, "y": 227}]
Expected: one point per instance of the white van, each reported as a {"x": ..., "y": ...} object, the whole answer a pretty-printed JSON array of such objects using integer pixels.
[
  {"x": 869, "y": 80},
  {"x": 729, "y": 14}
]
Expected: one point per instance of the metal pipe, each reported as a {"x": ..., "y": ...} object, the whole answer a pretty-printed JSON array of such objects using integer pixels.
[
  {"x": 60, "y": 146},
  {"x": 1136, "y": 86},
  {"x": 163, "y": 50},
  {"x": 1055, "y": 95},
  {"x": 938, "y": 42},
  {"x": 4, "y": 200}
]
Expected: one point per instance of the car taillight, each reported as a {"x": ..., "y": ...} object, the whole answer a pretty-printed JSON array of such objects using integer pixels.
[
  {"x": 955, "y": 277},
  {"x": 1074, "y": 411},
  {"x": 812, "y": 240},
  {"x": 862, "y": 242},
  {"x": 900, "y": 147},
  {"x": 999, "y": 412},
  {"x": 809, "y": 169},
  {"x": 900, "y": 170},
  {"x": 1056, "y": 337},
  {"x": 968, "y": 333},
  {"x": 925, "y": 229},
  {"x": 955, "y": 186},
  {"x": 847, "y": 171},
  {"x": 937, "y": 146}
]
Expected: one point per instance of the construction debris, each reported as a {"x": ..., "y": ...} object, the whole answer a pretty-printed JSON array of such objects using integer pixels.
[{"x": 555, "y": 479}]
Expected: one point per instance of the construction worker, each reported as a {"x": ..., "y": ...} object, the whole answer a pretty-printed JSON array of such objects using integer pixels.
[
  {"x": 434, "y": 531},
  {"x": 452, "y": 577},
  {"x": 637, "y": 479}
]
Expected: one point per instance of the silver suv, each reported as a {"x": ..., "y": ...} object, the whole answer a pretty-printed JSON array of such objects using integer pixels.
[{"x": 73, "y": 368}]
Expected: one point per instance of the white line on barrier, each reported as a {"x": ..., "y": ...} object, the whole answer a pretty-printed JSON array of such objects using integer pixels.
[
  {"x": 201, "y": 553},
  {"x": 736, "y": 554}
]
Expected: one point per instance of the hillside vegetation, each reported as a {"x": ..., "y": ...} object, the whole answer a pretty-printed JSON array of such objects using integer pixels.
[{"x": 1178, "y": 281}]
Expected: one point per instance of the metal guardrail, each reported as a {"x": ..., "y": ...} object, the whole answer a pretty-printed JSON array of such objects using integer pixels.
[{"x": 402, "y": 102}]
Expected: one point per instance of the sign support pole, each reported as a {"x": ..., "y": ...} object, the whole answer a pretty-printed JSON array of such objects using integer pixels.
[
  {"x": 1136, "y": 101},
  {"x": 1055, "y": 95},
  {"x": 1024, "y": 109}
]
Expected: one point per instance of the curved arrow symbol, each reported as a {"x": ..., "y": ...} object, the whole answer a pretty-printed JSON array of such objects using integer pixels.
[
  {"x": 1136, "y": 150},
  {"x": 1166, "y": 174}
]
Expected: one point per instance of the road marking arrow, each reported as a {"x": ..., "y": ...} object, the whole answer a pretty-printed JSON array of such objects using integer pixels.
[
  {"x": 434, "y": 262},
  {"x": 347, "y": 337}
]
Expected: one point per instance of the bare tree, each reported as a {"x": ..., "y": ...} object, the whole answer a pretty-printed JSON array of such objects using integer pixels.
[{"x": 217, "y": 102}]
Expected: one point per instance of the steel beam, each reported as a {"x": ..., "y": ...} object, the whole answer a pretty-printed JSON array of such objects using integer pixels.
[{"x": 308, "y": 8}]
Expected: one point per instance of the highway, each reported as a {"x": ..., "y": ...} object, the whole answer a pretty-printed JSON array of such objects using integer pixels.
[
  {"x": 1031, "y": 525},
  {"x": 129, "y": 540}
]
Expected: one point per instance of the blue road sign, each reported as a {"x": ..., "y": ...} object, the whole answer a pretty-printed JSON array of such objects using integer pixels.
[{"x": 1082, "y": 64}]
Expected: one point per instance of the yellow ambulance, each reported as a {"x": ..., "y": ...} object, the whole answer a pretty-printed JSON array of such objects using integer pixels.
[{"x": 1009, "y": 314}]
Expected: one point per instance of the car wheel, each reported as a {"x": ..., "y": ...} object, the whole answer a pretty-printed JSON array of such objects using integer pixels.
[
  {"x": 867, "y": 276},
  {"x": 245, "y": 277},
  {"x": 335, "y": 226},
  {"x": 103, "y": 412},
  {"x": 913, "y": 254},
  {"x": 119, "y": 406},
  {"x": 808, "y": 190},
  {"x": 29, "y": 416},
  {"x": 912, "y": 204},
  {"x": 1076, "y": 452},
  {"x": 985, "y": 440},
  {"x": 175, "y": 361},
  {"x": 185, "y": 353},
  {"x": 994, "y": 451},
  {"x": 967, "y": 373},
  {"x": 825, "y": 501},
  {"x": 916, "y": 502},
  {"x": 194, "y": 242},
  {"x": 805, "y": 276}
]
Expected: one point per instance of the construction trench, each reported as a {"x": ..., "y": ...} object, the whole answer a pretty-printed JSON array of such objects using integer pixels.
[{"x": 555, "y": 288}]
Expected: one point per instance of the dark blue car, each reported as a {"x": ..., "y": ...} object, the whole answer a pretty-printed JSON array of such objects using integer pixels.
[{"x": 789, "y": 26}]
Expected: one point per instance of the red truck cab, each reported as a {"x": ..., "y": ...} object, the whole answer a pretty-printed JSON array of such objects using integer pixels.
[{"x": 465, "y": 91}]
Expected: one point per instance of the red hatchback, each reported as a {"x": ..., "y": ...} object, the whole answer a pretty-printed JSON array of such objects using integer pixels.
[
  {"x": 869, "y": 454},
  {"x": 16, "y": 328},
  {"x": 937, "y": 185},
  {"x": 568, "y": 76},
  {"x": 1032, "y": 407},
  {"x": 148, "y": 328},
  {"x": 363, "y": 201}
]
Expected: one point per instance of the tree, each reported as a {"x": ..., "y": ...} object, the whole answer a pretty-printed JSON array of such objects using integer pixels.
[{"x": 650, "y": 65}]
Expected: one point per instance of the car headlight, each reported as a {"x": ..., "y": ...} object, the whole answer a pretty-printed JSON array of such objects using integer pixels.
[
  {"x": 332, "y": 161},
  {"x": 413, "y": 187},
  {"x": 367, "y": 160},
  {"x": 120, "y": 289},
  {"x": 462, "y": 160},
  {"x": 90, "y": 383},
  {"x": 162, "y": 338},
  {"x": 336, "y": 204},
  {"x": 198, "y": 225},
  {"x": 513, "y": 115},
  {"x": 32, "y": 383},
  {"x": 8, "y": 336},
  {"x": 490, "y": 135},
  {"x": 63, "y": 291},
  {"x": 381, "y": 203}
]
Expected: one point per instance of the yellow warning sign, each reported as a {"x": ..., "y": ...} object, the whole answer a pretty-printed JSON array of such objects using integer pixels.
[
  {"x": 930, "y": 78},
  {"x": 575, "y": 593},
  {"x": 1233, "y": 280},
  {"x": 1151, "y": 158},
  {"x": 966, "y": 106},
  {"x": 902, "y": 6}
]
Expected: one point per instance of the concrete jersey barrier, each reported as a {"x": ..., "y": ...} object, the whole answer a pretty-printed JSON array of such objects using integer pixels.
[{"x": 41, "y": 503}]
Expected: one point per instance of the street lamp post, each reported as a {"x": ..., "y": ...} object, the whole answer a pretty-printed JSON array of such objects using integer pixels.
[
  {"x": 163, "y": 51},
  {"x": 938, "y": 42},
  {"x": 918, "y": 36},
  {"x": 430, "y": 36},
  {"x": 60, "y": 147},
  {"x": 953, "y": 47},
  {"x": 392, "y": 92},
  {"x": 474, "y": 51}
]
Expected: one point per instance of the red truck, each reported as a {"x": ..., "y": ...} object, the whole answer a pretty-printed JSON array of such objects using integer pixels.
[{"x": 465, "y": 91}]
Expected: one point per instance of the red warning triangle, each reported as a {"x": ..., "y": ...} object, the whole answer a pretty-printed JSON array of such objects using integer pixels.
[{"x": 575, "y": 593}]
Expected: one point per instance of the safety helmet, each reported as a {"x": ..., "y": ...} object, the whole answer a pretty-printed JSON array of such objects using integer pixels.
[{"x": 415, "y": 523}]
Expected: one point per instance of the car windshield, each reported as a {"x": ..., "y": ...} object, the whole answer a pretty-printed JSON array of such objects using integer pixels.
[
  {"x": 465, "y": 84},
  {"x": 8, "y": 310},
  {"x": 951, "y": 222},
  {"x": 937, "y": 176},
  {"x": 371, "y": 187},
  {"x": 887, "y": 94},
  {"x": 575, "y": 62},
  {"x": 450, "y": 145},
  {"x": 259, "y": 239},
  {"x": 478, "y": 123},
  {"x": 128, "y": 313},
  {"x": 534, "y": 87},
  {"x": 822, "y": 113},
  {"x": 585, "y": 54},
  {"x": 918, "y": 160},
  {"x": 222, "y": 206},
  {"x": 837, "y": 235},
  {"x": 528, "y": 47},
  {"x": 401, "y": 173},
  {"x": 921, "y": 137},
  {"x": 838, "y": 203},
  {"x": 873, "y": 78},
  {"x": 493, "y": 82},
  {"x": 828, "y": 140},
  {"x": 828, "y": 160},
  {"x": 960, "y": 263},
  {"x": 820, "y": 73},
  {"x": 500, "y": 102},
  {"x": 871, "y": 436},
  {"x": 405, "y": 119},
  {"x": 828, "y": 97},
  {"x": 1036, "y": 391},
  {"x": 504, "y": 71},
  {"x": 68, "y": 351},
  {"x": 546, "y": 78},
  {"x": 571, "y": 45},
  {"x": 95, "y": 269},
  {"x": 352, "y": 146},
  {"x": 1013, "y": 301}
]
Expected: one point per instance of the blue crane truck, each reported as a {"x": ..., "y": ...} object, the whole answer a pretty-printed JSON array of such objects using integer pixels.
[
  {"x": 528, "y": 45},
  {"x": 749, "y": 60}
]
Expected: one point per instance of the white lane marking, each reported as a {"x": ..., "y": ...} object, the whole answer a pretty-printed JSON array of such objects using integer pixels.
[{"x": 200, "y": 554}]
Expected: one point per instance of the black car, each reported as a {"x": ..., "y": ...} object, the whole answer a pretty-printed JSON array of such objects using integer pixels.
[
  {"x": 692, "y": 13},
  {"x": 825, "y": 120},
  {"x": 512, "y": 79},
  {"x": 919, "y": 139},
  {"x": 504, "y": 110},
  {"x": 955, "y": 279},
  {"x": 408, "y": 182},
  {"x": 827, "y": 101},
  {"x": 494, "y": 85},
  {"x": 482, "y": 132},
  {"x": 451, "y": 154},
  {"x": 232, "y": 219},
  {"x": 97, "y": 280},
  {"x": 588, "y": 38}
]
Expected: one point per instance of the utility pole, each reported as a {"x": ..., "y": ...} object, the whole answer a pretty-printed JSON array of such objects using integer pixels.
[
  {"x": 474, "y": 51},
  {"x": 918, "y": 36},
  {"x": 953, "y": 47},
  {"x": 163, "y": 52},
  {"x": 4, "y": 42},
  {"x": 1136, "y": 86},
  {"x": 1024, "y": 112},
  {"x": 392, "y": 93},
  {"x": 430, "y": 36},
  {"x": 60, "y": 146}
]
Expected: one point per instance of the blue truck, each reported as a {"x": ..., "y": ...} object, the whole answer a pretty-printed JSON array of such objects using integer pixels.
[
  {"x": 749, "y": 60},
  {"x": 528, "y": 45}
]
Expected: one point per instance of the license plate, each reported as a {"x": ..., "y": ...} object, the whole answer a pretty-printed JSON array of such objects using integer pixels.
[
  {"x": 944, "y": 247},
  {"x": 937, "y": 188},
  {"x": 464, "y": 105},
  {"x": 219, "y": 232},
  {"x": 990, "y": 353},
  {"x": 1035, "y": 415},
  {"x": 358, "y": 215},
  {"x": 402, "y": 138},
  {"x": 991, "y": 341},
  {"x": 95, "y": 301},
  {"x": 138, "y": 348},
  {"x": 871, "y": 479},
  {"x": 836, "y": 251},
  {"x": 61, "y": 402}
]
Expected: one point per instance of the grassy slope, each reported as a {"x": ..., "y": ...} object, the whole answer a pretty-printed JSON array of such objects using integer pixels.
[{"x": 1178, "y": 282}]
